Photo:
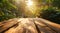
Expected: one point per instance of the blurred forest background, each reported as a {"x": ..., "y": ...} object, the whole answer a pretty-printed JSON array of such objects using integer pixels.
[{"x": 47, "y": 9}]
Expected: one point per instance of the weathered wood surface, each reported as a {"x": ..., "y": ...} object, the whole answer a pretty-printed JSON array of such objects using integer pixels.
[{"x": 29, "y": 25}]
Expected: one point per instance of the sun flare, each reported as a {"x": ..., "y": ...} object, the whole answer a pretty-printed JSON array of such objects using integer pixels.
[{"x": 29, "y": 3}]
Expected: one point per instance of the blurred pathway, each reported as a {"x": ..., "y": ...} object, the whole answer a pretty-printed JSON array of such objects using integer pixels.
[{"x": 29, "y": 25}]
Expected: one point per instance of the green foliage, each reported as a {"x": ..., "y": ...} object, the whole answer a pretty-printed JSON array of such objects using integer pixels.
[
  {"x": 56, "y": 3},
  {"x": 51, "y": 14},
  {"x": 8, "y": 10}
]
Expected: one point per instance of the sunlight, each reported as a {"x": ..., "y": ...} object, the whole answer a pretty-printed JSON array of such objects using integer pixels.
[{"x": 29, "y": 3}]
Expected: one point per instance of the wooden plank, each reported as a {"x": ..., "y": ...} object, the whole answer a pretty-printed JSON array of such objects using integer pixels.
[
  {"x": 29, "y": 25},
  {"x": 25, "y": 26},
  {"x": 43, "y": 28},
  {"x": 6, "y": 25},
  {"x": 53, "y": 26}
]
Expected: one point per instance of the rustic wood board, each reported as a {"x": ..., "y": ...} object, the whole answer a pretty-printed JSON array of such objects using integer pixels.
[{"x": 29, "y": 25}]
